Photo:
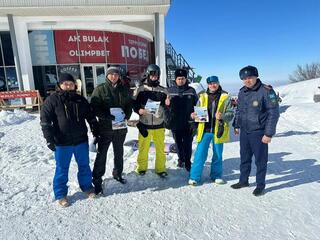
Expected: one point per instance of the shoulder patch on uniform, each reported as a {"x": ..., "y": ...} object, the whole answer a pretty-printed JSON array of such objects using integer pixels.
[{"x": 272, "y": 94}]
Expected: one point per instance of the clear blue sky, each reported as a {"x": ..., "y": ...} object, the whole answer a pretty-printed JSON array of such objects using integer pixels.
[{"x": 220, "y": 37}]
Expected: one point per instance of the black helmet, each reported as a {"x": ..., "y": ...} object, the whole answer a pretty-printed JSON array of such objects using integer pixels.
[
  {"x": 248, "y": 71},
  {"x": 153, "y": 69}
]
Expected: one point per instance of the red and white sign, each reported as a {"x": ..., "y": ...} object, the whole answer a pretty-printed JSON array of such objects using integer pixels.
[
  {"x": 116, "y": 40},
  {"x": 135, "y": 49},
  {"x": 87, "y": 46},
  {"x": 66, "y": 42},
  {"x": 19, "y": 94},
  {"x": 92, "y": 46}
]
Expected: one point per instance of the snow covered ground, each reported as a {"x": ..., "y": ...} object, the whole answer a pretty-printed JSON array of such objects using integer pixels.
[{"x": 152, "y": 208}]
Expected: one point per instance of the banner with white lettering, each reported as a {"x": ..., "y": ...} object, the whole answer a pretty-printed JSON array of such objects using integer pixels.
[
  {"x": 66, "y": 42},
  {"x": 42, "y": 47},
  {"x": 92, "y": 46},
  {"x": 135, "y": 49},
  {"x": 89, "y": 46}
]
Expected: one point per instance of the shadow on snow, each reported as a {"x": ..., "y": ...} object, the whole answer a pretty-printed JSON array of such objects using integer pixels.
[{"x": 285, "y": 174}]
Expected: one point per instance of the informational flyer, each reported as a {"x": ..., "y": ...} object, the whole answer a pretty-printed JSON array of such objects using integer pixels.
[
  {"x": 119, "y": 122},
  {"x": 152, "y": 107},
  {"x": 201, "y": 114}
]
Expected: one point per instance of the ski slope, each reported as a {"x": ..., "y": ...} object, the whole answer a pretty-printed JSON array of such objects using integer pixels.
[{"x": 148, "y": 207}]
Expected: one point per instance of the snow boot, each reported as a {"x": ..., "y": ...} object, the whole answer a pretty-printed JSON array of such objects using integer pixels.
[
  {"x": 163, "y": 174},
  {"x": 120, "y": 179},
  {"x": 141, "y": 173},
  {"x": 98, "y": 189},
  {"x": 258, "y": 192},
  {"x": 91, "y": 194},
  {"x": 63, "y": 202},
  {"x": 219, "y": 181},
  {"x": 192, "y": 182},
  {"x": 239, "y": 185}
]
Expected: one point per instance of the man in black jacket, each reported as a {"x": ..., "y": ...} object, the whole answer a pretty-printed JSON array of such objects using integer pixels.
[
  {"x": 256, "y": 119},
  {"x": 109, "y": 98},
  {"x": 180, "y": 102},
  {"x": 63, "y": 124}
]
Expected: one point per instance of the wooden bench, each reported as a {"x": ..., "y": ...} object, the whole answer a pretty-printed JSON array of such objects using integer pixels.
[{"x": 36, "y": 100}]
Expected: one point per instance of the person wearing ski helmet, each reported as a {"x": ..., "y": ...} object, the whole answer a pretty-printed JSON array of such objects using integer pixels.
[
  {"x": 215, "y": 131},
  {"x": 150, "y": 125},
  {"x": 256, "y": 118},
  {"x": 63, "y": 121}
]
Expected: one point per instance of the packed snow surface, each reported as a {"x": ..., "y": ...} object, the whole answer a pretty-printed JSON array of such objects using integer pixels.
[{"x": 148, "y": 207}]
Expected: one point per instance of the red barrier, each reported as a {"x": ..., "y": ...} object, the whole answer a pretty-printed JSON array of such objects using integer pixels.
[{"x": 33, "y": 94}]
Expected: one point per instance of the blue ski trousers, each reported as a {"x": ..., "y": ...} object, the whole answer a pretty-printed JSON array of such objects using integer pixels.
[
  {"x": 63, "y": 155},
  {"x": 200, "y": 158}
]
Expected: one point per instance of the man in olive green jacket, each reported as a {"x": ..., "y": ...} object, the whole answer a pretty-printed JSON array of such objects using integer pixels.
[{"x": 107, "y": 99}]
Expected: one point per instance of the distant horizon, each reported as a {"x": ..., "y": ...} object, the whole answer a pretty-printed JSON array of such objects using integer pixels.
[
  {"x": 220, "y": 37},
  {"x": 233, "y": 87}
]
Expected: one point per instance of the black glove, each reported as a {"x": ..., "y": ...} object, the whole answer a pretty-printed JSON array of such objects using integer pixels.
[
  {"x": 111, "y": 117},
  {"x": 95, "y": 130},
  {"x": 142, "y": 129},
  {"x": 193, "y": 128},
  {"x": 51, "y": 146},
  {"x": 220, "y": 129}
]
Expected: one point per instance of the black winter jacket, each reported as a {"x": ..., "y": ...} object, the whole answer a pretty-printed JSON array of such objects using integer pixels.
[
  {"x": 257, "y": 109},
  {"x": 63, "y": 118},
  {"x": 182, "y": 102}
]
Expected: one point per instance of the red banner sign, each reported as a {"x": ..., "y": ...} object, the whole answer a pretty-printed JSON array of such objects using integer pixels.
[
  {"x": 116, "y": 40},
  {"x": 19, "y": 94},
  {"x": 87, "y": 46},
  {"x": 92, "y": 47},
  {"x": 66, "y": 46},
  {"x": 135, "y": 49}
]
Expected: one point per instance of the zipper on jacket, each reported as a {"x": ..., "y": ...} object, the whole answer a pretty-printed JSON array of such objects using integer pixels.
[
  {"x": 213, "y": 106},
  {"x": 77, "y": 112},
  {"x": 66, "y": 110}
]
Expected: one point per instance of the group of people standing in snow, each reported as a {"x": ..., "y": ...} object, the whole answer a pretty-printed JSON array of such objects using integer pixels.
[{"x": 64, "y": 115}]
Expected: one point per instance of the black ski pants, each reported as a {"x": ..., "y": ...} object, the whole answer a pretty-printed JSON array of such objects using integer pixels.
[
  {"x": 183, "y": 139},
  {"x": 117, "y": 138}
]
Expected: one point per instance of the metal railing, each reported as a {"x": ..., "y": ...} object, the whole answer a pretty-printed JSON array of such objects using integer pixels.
[{"x": 174, "y": 61}]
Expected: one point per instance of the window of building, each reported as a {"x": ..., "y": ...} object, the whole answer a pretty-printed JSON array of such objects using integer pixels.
[
  {"x": 45, "y": 79},
  {"x": 12, "y": 79},
  {"x": 8, "y": 75},
  {"x": 7, "y": 49},
  {"x": 1, "y": 58},
  {"x": 3, "y": 84}
]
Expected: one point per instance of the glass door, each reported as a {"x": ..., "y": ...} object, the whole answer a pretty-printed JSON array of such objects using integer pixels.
[
  {"x": 101, "y": 74},
  {"x": 92, "y": 75}
]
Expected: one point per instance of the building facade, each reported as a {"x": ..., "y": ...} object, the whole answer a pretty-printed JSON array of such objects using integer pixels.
[{"x": 41, "y": 39}]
